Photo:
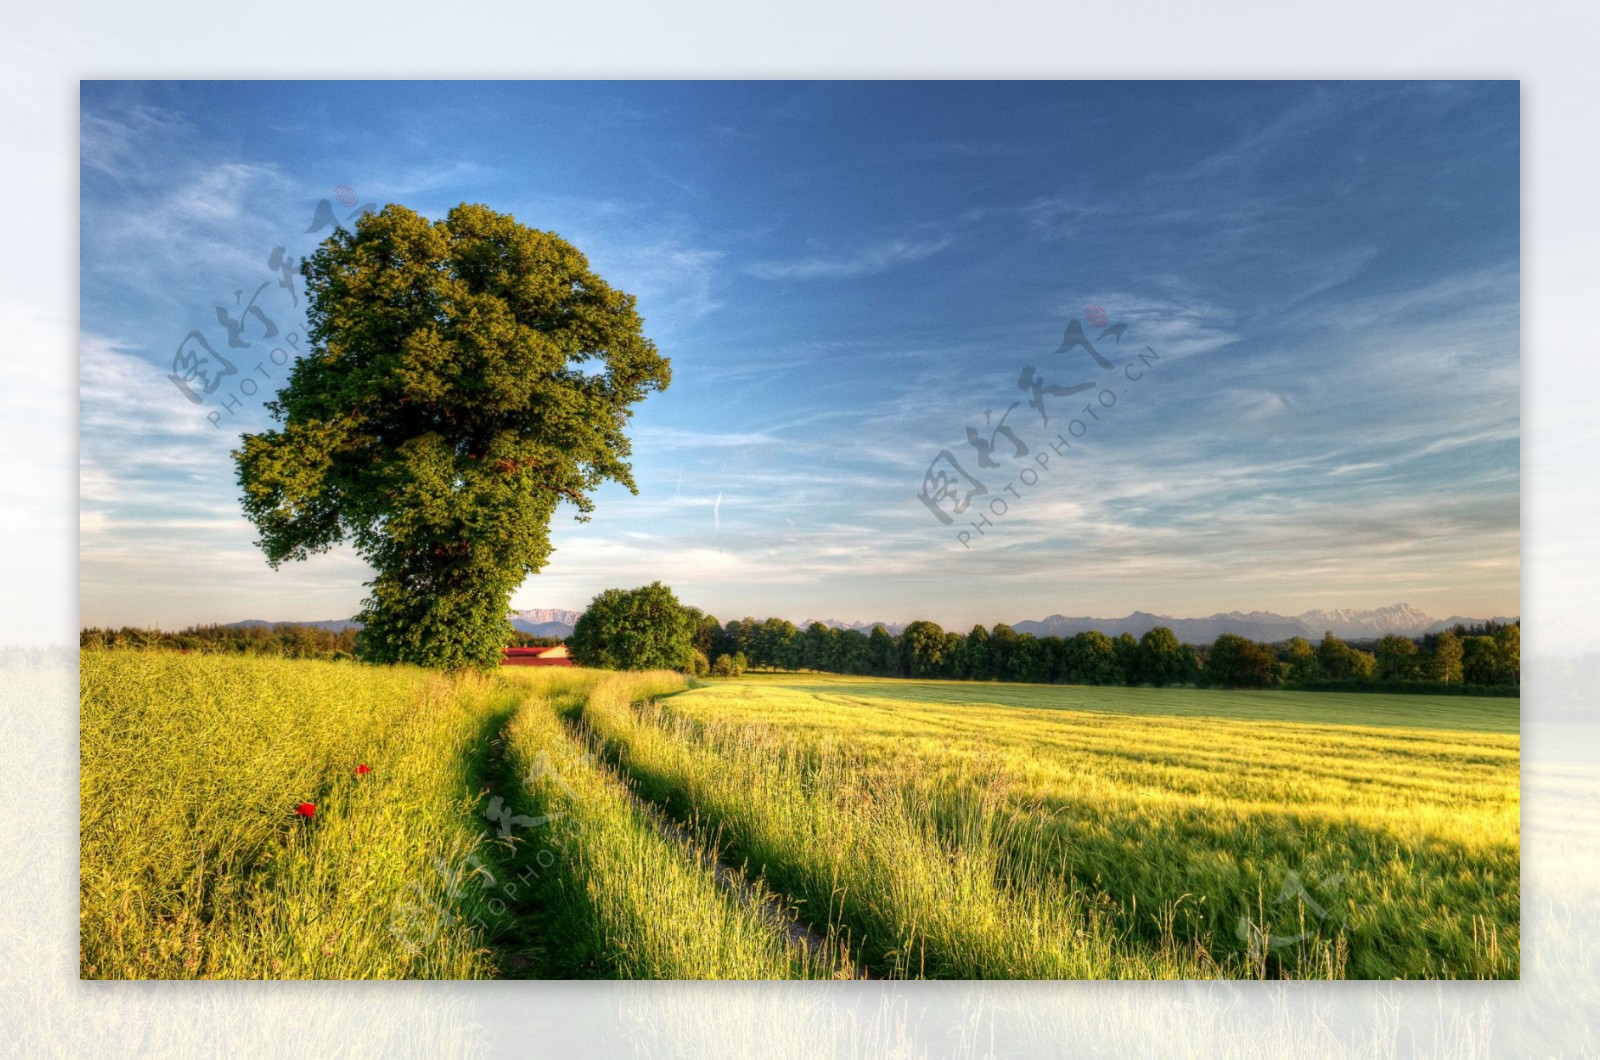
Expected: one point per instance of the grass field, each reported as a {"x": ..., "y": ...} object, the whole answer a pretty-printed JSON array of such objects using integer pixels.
[{"x": 569, "y": 823}]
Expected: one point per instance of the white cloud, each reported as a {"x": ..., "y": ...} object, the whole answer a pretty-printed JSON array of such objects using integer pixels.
[{"x": 865, "y": 261}]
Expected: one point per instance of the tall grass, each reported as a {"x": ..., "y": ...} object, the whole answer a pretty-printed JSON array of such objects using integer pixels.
[
  {"x": 921, "y": 900},
  {"x": 640, "y": 899},
  {"x": 193, "y": 860},
  {"x": 919, "y": 833},
  {"x": 1283, "y": 847}
]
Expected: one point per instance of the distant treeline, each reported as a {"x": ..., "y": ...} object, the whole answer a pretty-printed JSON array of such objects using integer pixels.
[
  {"x": 1483, "y": 657},
  {"x": 520, "y": 639},
  {"x": 286, "y": 639}
]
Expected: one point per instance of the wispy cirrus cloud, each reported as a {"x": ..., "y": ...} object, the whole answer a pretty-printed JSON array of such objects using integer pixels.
[{"x": 864, "y": 261}]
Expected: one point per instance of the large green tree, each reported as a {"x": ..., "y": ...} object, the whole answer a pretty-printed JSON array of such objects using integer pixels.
[
  {"x": 462, "y": 378},
  {"x": 635, "y": 629}
]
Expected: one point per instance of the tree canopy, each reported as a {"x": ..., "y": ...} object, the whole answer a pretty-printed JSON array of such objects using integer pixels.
[
  {"x": 462, "y": 378},
  {"x": 636, "y": 629}
]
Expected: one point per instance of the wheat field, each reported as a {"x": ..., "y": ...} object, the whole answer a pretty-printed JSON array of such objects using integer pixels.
[{"x": 266, "y": 818}]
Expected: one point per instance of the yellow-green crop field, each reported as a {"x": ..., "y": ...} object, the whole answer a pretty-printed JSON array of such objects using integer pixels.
[{"x": 567, "y": 823}]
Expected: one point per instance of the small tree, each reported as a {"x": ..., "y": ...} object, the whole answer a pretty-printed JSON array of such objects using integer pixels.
[
  {"x": 1238, "y": 662},
  {"x": 1301, "y": 658},
  {"x": 923, "y": 647},
  {"x": 1160, "y": 658},
  {"x": 635, "y": 629},
  {"x": 1127, "y": 655},
  {"x": 975, "y": 655},
  {"x": 1444, "y": 662},
  {"x": 817, "y": 647},
  {"x": 1480, "y": 660},
  {"x": 1508, "y": 651},
  {"x": 1091, "y": 659},
  {"x": 883, "y": 654},
  {"x": 1397, "y": 658},
  {"x": 698, "y": 666},
  {"x": 708, "y": 634},
  {"x": 1335, "y": 658}
]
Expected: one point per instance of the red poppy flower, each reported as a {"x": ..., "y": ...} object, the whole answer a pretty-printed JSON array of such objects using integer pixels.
[
  {"x": 363, "y": 769},
  {"x": 306, "y": 809}
]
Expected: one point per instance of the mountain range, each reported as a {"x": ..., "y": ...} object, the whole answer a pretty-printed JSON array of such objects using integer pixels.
[
  {"x": 1266, "y": 626},
  {"x": 1346, "y": 623},
  {"x": 894, "y": 628},
  {"x": 545, "y": 622}
]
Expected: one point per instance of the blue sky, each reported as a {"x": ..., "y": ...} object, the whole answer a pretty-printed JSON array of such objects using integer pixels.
[{"x": 848, "y": 276}]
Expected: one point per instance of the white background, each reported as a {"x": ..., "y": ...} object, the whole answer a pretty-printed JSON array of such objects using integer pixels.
[{"x": 45, "y": 50}]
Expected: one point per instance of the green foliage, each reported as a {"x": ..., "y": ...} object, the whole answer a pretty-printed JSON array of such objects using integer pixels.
[
  {"x": 854, "y": 652},
  {"x": 1396, "y": 658},
  {"x": 1126, "y": 652},
  {"x": 699, "y": 665},
  {"x": 708, "y": 634},
  {"x": 464, "y": 376},
  {"x": 1508, "y": 649},
  {"x": 819, "y": 648},
  {"x": 925, "y": 650},
  {"x": 975, "y": 656},
  {"x": 635, "y": 629},
  {"x": 1444, "y": 661},
  {"x": 1160, "y": 659},
  {"x": 1002, "y": 644},
  {"x": 922, "y": 649},
  {"x": 288, "y": 640},
  {"x": 1301, "y": 659},
  {"x": 728, "y": 665},
  {"x": 883, "y": 654},
  {"x": 1335, "y": 658},
  {"x": 1090, "y": 658},
  {"x": 1237, "y": 662}
]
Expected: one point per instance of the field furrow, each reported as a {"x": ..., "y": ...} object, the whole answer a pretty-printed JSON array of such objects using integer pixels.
[{"x": 621, "y": 893}]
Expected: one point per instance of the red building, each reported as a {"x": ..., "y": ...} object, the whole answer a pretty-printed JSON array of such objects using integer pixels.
[{"x": 556, "y": 656}]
